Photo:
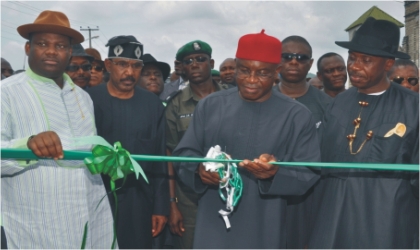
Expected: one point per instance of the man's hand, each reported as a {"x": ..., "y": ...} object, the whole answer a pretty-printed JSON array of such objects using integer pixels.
[
  {"x": 260, "y": 167},
  {"x": 46, "y": 144},
  {"x": 176, "y": 221},
  {"x": 209, "y": 178},
  {"x": 158, "y": 222}
]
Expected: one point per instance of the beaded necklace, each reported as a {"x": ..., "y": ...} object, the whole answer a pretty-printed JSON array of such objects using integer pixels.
[{"x": 60, "y": 163}]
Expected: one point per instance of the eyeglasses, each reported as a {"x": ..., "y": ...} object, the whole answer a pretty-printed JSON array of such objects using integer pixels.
[
  {"x": 74, "y": 68},
  {"x": 125, "y": 64},
  {"x": 299, "y": 57},
  {"x": 98, "y": 68},
  {"x": 339, "y": 69},
  {"x": 413, "y": 81},
  {"x": 10, "y": 71},
  {"x": 197, "y": 59},
  {"x": 243, "y": 74}
]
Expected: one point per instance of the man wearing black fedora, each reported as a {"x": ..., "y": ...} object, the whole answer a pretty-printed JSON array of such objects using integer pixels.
[
  {"x": 46, "y": 203},
  {"x": 376, "y": 121},
  {"x": 153, "y": 74},
  {"x": 135, "y": 117}
]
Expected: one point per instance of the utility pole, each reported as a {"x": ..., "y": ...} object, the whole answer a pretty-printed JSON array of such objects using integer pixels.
[
  {"x": 89, "y": 29},
  {"x": 24, "y": 57}
]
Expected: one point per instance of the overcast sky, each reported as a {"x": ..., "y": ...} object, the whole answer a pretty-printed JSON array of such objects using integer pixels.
[{"x": 165, "y": 26}]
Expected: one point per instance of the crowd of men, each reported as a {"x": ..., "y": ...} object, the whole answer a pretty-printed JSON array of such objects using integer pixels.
[{"x": 260, "y": 106}]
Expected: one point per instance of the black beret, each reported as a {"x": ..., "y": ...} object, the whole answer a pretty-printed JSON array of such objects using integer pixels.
[{"x": 194, "y": 47}]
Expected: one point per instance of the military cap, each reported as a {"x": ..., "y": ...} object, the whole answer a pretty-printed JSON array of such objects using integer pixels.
[
  {"x": 125, "y": 47},
  {"x": 215, "y": 72},
  {"x": 194, "y": 47},
  {"x": 310, "y": 75}
]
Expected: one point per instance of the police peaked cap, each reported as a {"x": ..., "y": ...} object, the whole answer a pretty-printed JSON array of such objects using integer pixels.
[{"x": 125, "y": 47}]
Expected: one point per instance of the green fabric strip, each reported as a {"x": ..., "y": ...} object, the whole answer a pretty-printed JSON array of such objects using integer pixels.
[
  {"x": 84, "y": 236},
  {"x": 37, "y": 77},
  {"x": 25, "y": 154}
]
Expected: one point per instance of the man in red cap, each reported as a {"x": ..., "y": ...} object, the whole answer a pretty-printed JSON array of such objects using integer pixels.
[
  {"x": 259, "y": 124},
  {"x": 46, "y": 203}
]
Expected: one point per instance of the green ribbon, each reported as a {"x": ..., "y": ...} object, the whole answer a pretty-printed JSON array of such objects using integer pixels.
[
  {"x": 234, "y": 180},
  {"x": 118, "y": 163},
  {"x": 115, "y": 162},
  {"x": 25, "y": 154}
]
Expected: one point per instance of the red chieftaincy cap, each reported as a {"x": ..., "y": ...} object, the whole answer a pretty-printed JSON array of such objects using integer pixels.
[{"x": 259, "y": 47}]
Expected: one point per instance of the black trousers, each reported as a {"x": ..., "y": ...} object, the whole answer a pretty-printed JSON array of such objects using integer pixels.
[{"x": 134, "y": 214}]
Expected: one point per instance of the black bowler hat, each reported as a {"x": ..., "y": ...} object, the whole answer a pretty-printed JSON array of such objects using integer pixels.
[
  {"x": 164, "y": 67},
  {"x": 377, "y": 38},
  {"x": 125, "y": 47}
]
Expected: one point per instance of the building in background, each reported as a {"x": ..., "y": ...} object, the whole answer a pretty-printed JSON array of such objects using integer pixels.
[
  {"x": 410, "y": 43},
  {"x": 376, "y": 13}
]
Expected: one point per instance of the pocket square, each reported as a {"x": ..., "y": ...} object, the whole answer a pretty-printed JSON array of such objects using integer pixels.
[{"x": 399, "y": 130}]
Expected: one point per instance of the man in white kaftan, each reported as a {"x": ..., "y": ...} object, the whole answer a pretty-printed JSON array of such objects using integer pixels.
[{"x": 46, "y": 203}]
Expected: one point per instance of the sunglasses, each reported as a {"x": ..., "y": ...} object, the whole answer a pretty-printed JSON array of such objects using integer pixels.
[
  {"x": 197, "y": 59},
  {"x": 413, "y": 81},
  {"x": 299, "y": 57},
  {"x": 98, "y": 68},
  {"x": 74, "y": 68}
]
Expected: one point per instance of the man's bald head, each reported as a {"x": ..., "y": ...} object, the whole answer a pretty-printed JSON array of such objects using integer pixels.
[
  {"x": 227, "y": 71},
  {"x": 6, "y": 68},
  {"x": 227, "y": 60},
  {"x": 316, "y": 83}
]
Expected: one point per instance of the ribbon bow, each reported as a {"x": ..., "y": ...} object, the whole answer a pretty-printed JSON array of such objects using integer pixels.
[
  {"x": 113, "y": 161},
  {"x": 230, "y": 180}
]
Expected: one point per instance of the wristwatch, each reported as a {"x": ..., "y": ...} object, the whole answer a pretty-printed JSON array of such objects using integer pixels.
[{"x": 173, "y": 199}]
